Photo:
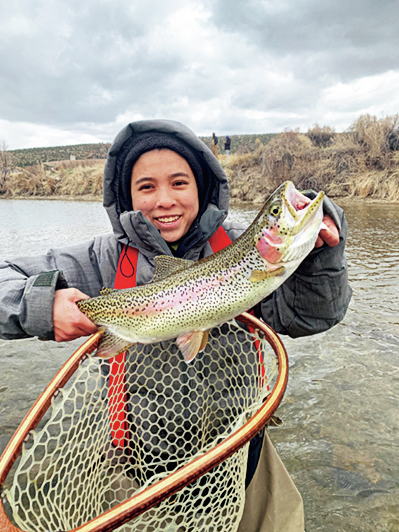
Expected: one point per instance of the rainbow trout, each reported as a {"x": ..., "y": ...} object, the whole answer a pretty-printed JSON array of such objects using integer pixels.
[{"x": 187, "y": 298}]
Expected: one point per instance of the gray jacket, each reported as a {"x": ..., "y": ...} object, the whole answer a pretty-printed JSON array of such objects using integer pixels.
[{"x": 312, "y": 300}]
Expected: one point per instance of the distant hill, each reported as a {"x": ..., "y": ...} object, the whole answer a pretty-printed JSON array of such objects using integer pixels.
[{"x": 32, "y": 156}]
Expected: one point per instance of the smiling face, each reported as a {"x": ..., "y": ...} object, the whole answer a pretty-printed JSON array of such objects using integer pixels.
[{"x": 164, "y": 189}]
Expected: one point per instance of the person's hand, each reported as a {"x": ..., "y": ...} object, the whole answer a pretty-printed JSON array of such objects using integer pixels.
[
  {"x": 68, "y": 322},
  {"x": 329, "y": 234}
]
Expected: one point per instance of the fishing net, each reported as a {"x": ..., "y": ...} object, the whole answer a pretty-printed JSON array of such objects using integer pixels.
[{"x": 119, "y": 426}]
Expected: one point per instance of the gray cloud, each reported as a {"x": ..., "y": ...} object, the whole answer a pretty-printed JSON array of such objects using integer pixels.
[
  {"x": 81, "y": 63},
  {"x": 342, "y": 40},
  {"x": 81, "y": 70}
]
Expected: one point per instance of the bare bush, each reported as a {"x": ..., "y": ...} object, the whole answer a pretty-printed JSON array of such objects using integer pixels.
[
  {"x": 321, "y": 136},
  {"x": 65, "y": 180},
  {"x": 361, "y": 162},
  {"x": 373, "y": 134},
  {"x": 5, "y": 164},
  {"x": 280, "y": 156}
]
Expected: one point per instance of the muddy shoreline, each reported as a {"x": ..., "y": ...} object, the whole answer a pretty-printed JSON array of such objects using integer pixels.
[
  {"x": 342, "y": 200},
  {"x": 55, "y": 198}
]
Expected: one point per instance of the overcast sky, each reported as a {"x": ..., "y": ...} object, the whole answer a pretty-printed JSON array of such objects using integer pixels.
[{"x": 77, "y": 71}]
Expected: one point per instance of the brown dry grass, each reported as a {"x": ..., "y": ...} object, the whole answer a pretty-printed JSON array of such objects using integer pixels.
[
  {"x": 68, "y": 178},
  {"x": 362, "y": 162}
]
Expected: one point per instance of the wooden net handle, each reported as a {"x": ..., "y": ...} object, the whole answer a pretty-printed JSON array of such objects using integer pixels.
[{"x": 161, "y": 490}]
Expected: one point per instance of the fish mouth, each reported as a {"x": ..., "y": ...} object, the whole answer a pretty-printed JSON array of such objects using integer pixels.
[{"x": 301, "y": 208}]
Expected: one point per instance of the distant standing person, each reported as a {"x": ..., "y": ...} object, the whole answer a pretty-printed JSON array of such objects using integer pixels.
[
  {"x": 215, "y": 141},
  {"x": 227, "y": 146}
]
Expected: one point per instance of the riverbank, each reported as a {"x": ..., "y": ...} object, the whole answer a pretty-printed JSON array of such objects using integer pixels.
[
  {"x": 361, "y": 163},
  {"x": 88, "y": 198},
  {"x": 341, "y": 200},
  {"x": 62, "y": 180}
]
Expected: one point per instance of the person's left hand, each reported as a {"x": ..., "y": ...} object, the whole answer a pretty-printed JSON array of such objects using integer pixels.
[{"x": 329, "y": 236}]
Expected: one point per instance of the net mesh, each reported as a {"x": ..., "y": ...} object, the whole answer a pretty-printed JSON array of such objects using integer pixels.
[{"x": 78, "y": 464}]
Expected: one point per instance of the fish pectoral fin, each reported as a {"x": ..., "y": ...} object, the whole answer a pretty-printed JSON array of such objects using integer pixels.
[
  {"x": 192, "y": 343},
  {"x": 205, "y": 336},
  {"x": 111, "y": 345},
  {"x": 261, "y": 275},
  {"x": 165, "y": 266},
  {"x": 107, "y": 291}
]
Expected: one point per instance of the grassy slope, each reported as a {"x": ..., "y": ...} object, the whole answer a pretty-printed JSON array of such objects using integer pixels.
[
  {"x": 33, "y": 156},
  {"x": 363, "y": 162}
]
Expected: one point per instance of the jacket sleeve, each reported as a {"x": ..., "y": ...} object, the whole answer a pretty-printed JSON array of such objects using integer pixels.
[
  {"x": 316, "y": 296},
  {"x": 28, "y": 284}
]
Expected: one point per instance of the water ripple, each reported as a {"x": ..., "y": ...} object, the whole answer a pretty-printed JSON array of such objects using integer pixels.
[{"x": 340, "y": 434}]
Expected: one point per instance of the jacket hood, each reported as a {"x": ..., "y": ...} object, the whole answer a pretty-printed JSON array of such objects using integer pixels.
[{"x": 132, "y": 227}]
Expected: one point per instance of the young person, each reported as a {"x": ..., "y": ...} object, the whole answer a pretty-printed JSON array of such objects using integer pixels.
[
  {"x": 227, "y": 145},
  {"x": 166, "y": 194}
]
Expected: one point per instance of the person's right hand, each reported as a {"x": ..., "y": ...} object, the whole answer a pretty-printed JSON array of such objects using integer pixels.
[{"x": 68, "y": 322}]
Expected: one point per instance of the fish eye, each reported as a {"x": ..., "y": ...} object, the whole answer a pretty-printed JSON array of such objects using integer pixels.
[{"x": 275, "y": 209}]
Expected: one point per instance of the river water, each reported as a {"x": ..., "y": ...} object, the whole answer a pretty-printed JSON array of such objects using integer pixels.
[{"x": 340, "y": 434}]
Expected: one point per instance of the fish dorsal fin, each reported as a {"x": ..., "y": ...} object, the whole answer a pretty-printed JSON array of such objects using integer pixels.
[
  {"x": 165, "y": 265},
  {"x": 107, "y": 291}
]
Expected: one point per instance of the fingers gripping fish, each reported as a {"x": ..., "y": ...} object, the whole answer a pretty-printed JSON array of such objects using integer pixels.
[{"x": 187, "y": 298}]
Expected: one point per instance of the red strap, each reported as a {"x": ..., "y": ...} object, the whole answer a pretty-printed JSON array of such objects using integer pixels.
[
  {"x": 117, "y": 393},
  {"x": 219, "y": 240},
  {"x": 127, "y": 268}
]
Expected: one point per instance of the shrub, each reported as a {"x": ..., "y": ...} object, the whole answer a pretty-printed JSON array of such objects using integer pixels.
[
  {"x": 70, "y": 178},
  {"x": 321, "y": 136},
  {"x": 364, "y": 161},
  {"x": 376, "y": 136}
]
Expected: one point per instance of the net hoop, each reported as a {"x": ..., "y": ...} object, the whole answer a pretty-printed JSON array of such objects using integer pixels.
[{"x": 161, "y": 490}]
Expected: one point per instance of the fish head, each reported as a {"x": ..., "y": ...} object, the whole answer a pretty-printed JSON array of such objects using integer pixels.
[{"x": 288, "y": 225}]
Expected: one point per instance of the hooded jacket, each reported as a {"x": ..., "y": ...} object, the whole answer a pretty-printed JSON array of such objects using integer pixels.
[{"x": 312, "y": 300}]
